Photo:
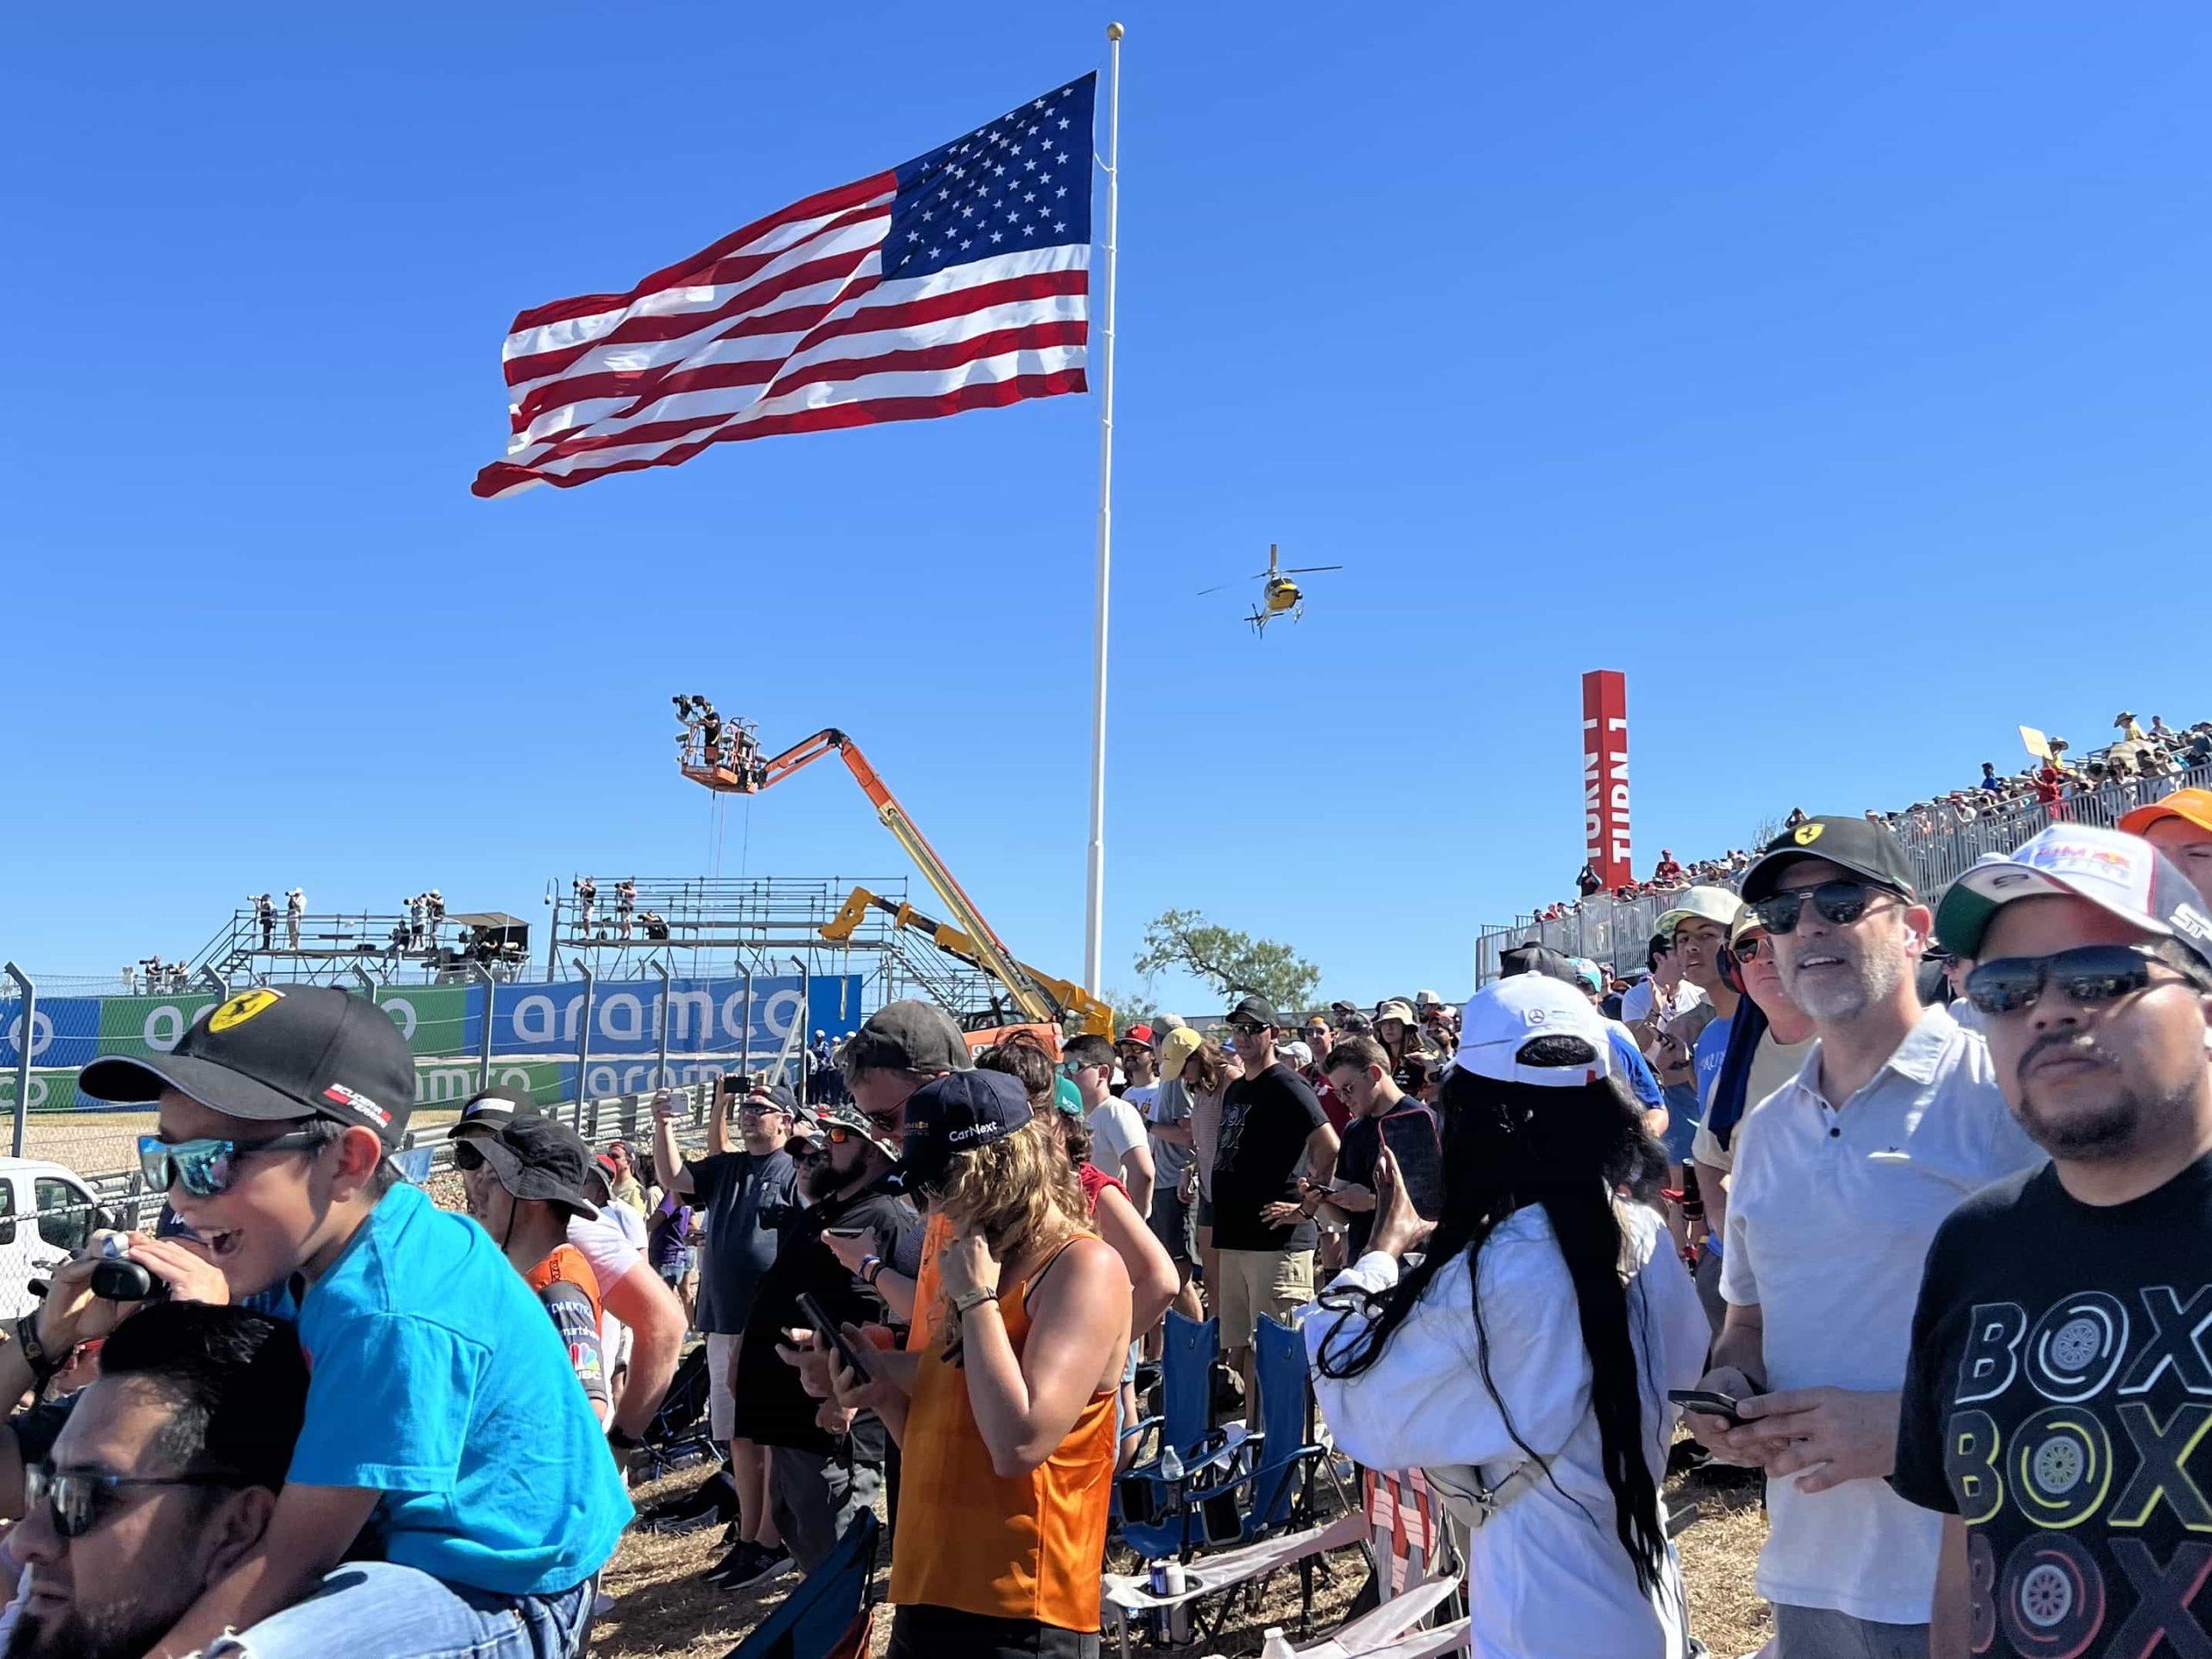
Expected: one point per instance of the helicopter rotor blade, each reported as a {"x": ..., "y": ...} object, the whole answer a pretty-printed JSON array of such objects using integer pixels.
[{"x": 1308, "y": 569}]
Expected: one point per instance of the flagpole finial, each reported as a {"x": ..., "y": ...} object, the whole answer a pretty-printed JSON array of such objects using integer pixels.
[{"x": 1113, "y": 31}]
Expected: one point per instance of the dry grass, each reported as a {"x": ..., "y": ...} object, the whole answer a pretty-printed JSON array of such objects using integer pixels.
[{"x": 663, "y": 1611}]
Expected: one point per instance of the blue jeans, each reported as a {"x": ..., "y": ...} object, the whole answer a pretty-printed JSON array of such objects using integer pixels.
[{"x": 372, "y": 1609}]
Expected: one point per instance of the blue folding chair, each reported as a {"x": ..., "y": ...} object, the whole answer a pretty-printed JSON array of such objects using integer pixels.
[
  {"x": 1169, "y": 1522},
  {"x": 826, "y": 1616}
]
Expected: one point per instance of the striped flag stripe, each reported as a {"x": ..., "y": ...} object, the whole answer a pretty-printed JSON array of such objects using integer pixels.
[
  {"x": 869, "y": 331},
  {"x": 923, "y": 399}
]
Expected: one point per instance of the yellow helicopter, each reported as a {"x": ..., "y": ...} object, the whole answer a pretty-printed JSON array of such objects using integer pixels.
[{"x": 1278, "y": 592}]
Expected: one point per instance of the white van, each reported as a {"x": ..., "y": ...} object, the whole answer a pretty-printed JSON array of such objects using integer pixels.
[{"x": 46, "y": 1212}]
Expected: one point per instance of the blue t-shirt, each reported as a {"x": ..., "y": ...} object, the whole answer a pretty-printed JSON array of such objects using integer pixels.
[
  {"x": 436, "y": 1378},
  {"x": 1632, "y": 1069},
  {"x": 1711, "y": 1046}
]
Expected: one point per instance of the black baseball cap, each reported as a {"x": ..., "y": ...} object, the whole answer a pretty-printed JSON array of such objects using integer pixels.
[
  {"x": 915, "y": 1036},
  {"x": 956, "y": 1114},
  {"x": 541, "y": 1158},
  {"x": 274, "y": 1055},
  {"x": 491, "y": 1109},
  {"x": 1533, "y": 958},
  {"x": 1255, "y": 1010},
  {"x": 1866, "y": 849},
  {"x": 777, "y": 1094}
]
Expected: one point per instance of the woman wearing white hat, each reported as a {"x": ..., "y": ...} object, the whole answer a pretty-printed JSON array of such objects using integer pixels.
[{"x": 1546, "y": 1434}]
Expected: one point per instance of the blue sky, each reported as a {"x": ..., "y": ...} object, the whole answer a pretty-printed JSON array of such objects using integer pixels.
[{"x": 1835, "y": 372}]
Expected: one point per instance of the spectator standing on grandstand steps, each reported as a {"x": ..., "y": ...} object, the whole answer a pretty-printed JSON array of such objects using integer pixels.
[
  {"x": 1894, "y": 1117},
  {"x": 1667, "y": 873},
  {"x": 444, "y": 1433},
  {"x": 745, "y": 1196},
  {"x": 1117, "y": 1132},
  {"x": 1007, "y": 1415},
  {"x": 1587, "y": 880},
  {"x": 2131, "y": 729},
  {"x": 1272, "y": 1130},
  {"x": 163, "y": 1476},
  {"x": 523, "y": 1183},
  {"x": 1989, "y": 783},
  {"x": 2180, "y": 826},
  {"x": 1545, "y": 1432},
  {"x": 2046, "y": 1418}
]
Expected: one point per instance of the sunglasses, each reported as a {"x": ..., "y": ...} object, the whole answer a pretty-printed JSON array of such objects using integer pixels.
[
  {"x": 756, "y": 1109},
  {"x": 2089, "y": 975},
  {"x": 1841, "y": 902},
  {"x": 207, "y": 1167},
  {"x": 1245, "y": 1029},
  {"x": 1748, "y": 950},
  {"x": 79, "y": 1501}
]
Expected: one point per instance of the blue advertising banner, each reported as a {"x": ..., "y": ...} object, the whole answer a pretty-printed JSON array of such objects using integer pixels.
[{"x": 733, "y": 1024}]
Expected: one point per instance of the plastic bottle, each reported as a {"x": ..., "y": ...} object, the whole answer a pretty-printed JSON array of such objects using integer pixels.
[
  {"x": 1170, "y": 1466},
  {"x": 1277, "y": 1645}
]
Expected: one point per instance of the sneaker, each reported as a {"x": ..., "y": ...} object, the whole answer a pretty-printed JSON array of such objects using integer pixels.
[
  {"x": 737, "y": 1560},
  {"x": 769, "y": 1561}
]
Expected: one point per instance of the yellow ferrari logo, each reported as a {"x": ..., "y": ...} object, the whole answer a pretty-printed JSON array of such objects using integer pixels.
[
  {"x": 241, "y": 1008},
  {"x": 1807, "y": 834}
]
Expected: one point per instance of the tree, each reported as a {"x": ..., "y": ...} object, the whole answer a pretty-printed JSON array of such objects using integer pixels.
[{"x": 1236, "y": 964}]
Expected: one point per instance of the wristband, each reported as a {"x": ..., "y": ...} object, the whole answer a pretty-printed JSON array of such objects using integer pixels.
[
  {"x": 35, "y": 1355},
  {"x": 871, "y": 1270},
  {"x": 968, "y": 1301}
]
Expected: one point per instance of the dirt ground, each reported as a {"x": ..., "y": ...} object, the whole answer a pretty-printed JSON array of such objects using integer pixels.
[{"x": 663, "y": 1609}]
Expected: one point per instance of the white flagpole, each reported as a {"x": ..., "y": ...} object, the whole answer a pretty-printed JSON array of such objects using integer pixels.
[{"x": 1094, "y": 915}]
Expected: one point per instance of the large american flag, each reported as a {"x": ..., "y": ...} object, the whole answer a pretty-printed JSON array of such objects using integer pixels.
[{"x": 958, "y": 281}]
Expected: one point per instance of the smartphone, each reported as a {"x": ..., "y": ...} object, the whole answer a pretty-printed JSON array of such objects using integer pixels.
[
  {"x": 1710, "y": 1403},
  {"x": 844, "y": 1232},
  {"x": 826, "y": 1328},
  {"x": 1411, "y": 1137}
]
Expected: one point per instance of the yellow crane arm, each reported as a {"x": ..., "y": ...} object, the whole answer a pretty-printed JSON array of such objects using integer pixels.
[{"x": 1096, "y": 1018}]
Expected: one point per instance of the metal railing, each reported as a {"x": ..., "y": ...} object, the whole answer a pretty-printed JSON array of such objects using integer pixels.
[{"x": 1616, "y": 932}]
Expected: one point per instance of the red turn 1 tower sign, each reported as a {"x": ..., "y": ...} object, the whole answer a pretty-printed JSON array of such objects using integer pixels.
[{"x": 1604, "y": 776}]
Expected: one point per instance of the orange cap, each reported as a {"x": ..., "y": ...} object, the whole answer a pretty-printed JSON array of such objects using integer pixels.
[{"x": 2191, "y": 805}]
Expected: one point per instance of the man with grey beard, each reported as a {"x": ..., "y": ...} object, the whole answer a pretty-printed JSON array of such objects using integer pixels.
[{"x": 1841, "y": 1177}]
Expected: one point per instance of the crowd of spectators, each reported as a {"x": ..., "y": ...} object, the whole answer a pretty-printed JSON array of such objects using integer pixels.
[{"x": 1898, "y": 1207}]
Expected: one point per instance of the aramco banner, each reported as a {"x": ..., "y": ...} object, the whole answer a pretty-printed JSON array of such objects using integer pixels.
[
  {"x": 1604, "y": 776},
  {"x": 714, "y": 1025}
]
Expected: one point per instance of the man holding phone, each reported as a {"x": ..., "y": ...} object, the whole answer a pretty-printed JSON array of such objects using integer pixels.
[
  {"x": 1359, "y": 1071},
  {"x": 820, "y": 1478},
  {"x": 747, "y": 1196}
]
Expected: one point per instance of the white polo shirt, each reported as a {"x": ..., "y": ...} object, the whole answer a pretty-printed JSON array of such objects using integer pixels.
[{"x": 1830, "y": 1214}]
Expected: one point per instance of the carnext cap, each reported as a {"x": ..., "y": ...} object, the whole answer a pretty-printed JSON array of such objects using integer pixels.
[
  {"x": 1704, "y": 904},
  {"x": 1866, "y": 849},
  {"x": 1501, "y": 1019},
  {"x": 2190, "y": 806},
  {"x": 541, "y": 1158},
  {"x": 956, "y": 1114},
  {"x": 2124, "y": 873},
  {"x": 492, "y": 1109},
  {"x": 272, "y": 1055}
]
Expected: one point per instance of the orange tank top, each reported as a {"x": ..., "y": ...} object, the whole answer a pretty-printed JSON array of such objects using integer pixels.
[{"x": 1027, "y": 1547}]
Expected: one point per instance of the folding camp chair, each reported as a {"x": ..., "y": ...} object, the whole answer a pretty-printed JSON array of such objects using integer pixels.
[
  {"x": 676, "y": 1438},
  {"x": 1268, "y": 1492},
  {"x": 1154, "y": 1514},
  {"x": 827, "y": 1616}
]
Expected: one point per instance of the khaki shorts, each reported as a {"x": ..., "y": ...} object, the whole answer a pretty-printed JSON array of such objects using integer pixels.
[{"x": 1253, "y": 1282}]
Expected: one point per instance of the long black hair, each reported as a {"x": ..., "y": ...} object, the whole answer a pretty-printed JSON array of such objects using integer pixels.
[{"x": 1508, "y": 1145}]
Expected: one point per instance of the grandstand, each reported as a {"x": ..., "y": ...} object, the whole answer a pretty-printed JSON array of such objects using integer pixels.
[{"x": 1941, "y": 837}]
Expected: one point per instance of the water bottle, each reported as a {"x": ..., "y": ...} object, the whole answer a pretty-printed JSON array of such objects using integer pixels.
[
  {"x": 1170, "y": 1466},
  {"x": 1277, "y": 1645}
]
